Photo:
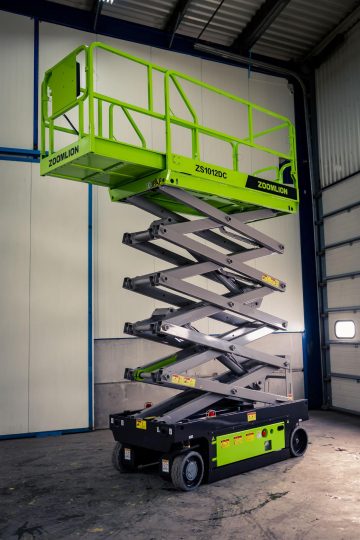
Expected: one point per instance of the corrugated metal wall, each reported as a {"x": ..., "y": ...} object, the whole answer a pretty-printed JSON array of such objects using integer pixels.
[{"x": 338, "y": 104}]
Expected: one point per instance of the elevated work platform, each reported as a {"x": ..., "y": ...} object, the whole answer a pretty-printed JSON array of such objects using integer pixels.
[
  {"x": 83, "y": 138},
  {"x": 230, "y": 421}
]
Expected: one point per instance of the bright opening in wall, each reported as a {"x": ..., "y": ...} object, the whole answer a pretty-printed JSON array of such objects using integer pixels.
[{"x": 345, "y": 329}]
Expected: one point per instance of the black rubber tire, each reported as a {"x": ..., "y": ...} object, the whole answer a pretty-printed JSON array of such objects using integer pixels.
[
  {"x": 117, "y": 459},
  {"x": 298, "y": 442},
  {"x": 187, "y": 471}
]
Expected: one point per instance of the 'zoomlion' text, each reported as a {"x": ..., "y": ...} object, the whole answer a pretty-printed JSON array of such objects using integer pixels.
[
  {"x": 274, "y": 188},
  {"x": 271, "y": 187},
  {"x": 64, "y": 155}
]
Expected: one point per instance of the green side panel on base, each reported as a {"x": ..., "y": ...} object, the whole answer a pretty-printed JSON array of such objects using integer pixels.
[{"x": 240, "y": 445}]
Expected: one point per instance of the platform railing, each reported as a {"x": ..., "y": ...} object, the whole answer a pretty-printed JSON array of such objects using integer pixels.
[{"x": 95, "y": 102}]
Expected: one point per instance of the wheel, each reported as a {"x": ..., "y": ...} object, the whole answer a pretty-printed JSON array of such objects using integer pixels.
[
  {"x": 118, "y": 460},
  {"x": 298, "y": 442},
  {"x": 187, "y": 471}
]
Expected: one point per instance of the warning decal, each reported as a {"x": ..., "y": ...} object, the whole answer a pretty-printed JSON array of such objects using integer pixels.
[
  {"x": 184, "y": 381},
  {"x": 140, "y": 424}
]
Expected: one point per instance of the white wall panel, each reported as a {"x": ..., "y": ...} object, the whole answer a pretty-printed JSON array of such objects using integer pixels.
[
  {"x": 15, "y": 185},
  {"x": 345, "y": 394},
  {"x": 344, "y": 292},
  {"x": 345, "y": 359},
  {"x": 342, "y": 226},
  {"x": 58, "y": 41},
  {"x": 58, "y": 371},
  {"x": 341, "y": 195},
  {"x": 113, "y": 262},
  {"x": 343, "y": 259},
  {"x": 16, "y": 80},
  {"x": 287, "y": 267}
]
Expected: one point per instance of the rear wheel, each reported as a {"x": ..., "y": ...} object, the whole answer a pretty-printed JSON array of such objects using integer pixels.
[
  {"x": 298, "y": 442},
  {"x": 118, "y": 458},
  {"x": 187, "y": 471}
]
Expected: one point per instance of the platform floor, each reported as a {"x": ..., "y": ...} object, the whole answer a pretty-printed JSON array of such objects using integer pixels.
[{"x": 65, "y": 487}]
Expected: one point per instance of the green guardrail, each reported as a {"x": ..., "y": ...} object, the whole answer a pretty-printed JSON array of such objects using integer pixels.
[{"x": 62, "y": 92}]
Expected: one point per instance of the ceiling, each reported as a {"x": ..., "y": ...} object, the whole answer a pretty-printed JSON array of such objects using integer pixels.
[{"x": 285, "y": 30}]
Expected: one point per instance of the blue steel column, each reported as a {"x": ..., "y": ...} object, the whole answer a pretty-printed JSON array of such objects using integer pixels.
[
  {"x": 311, "y": 340},
  {"x": 36, "y": 85},
  {"x": 90, "y": 304}
]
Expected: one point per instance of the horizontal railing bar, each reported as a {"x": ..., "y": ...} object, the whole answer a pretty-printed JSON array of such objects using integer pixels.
[
  {"x": 99, "y": 45},
  {"x": 223, "y": 136},
  {"x": 227, "y": 94},
  {"x": 65, "y": 130},
  {"x": 270, "y": 130},
  {"x": 129, "y": 106}
]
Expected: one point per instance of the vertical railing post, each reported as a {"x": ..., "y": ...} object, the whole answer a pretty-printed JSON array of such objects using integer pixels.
[
  {"x": 150, "y": 89},
  {"x": 51, "y": 136},
  {"x": 111, "y": 122},
  {"x": 235, "y": 155},
  {"x": 100, "y": 118},
  {"x": 81, "y": 119},
  {"x": 90, "y": 85},
  {"x": 167, "y": 119},
  {"x": 44, "y": 103}
]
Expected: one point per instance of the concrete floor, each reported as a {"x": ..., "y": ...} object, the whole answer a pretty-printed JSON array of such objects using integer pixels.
[{"x": 65, "y": 487}]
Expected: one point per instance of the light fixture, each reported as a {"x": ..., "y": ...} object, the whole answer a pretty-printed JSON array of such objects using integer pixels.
[{"x": 107, "y": 1}]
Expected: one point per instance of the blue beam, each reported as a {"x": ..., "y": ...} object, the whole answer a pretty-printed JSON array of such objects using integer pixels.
[
  {"x": 36, "y": 85},
  {"x": 13, "y": 151}
]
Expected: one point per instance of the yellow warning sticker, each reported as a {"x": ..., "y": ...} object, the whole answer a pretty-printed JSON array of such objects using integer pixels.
[
  {"x": 238, "y": 440},
  {"x": 225, "y": 443},
  {"x": 250, "y": 436},
  {"x": 140, "y": 424},
  {"x": 271, "y": 280},
  {"x": 251, "y": 416},
  {"x": 184, "y": 381}
]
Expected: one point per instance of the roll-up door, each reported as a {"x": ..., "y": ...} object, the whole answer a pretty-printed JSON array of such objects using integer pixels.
[
  {"x": 341, "y": 292},
  {"x": 338, "y": 202}
]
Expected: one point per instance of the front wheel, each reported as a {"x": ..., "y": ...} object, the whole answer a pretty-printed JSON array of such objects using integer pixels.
[
  {"x": 187, "y": 471},
  {"x": 119, "y": 459},
  {"x": 298, "y": 442}
]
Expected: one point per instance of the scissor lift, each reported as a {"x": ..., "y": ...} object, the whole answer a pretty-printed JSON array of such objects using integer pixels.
[{"x": 230, "y": 422}]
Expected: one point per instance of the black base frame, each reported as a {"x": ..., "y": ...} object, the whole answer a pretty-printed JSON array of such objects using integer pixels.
[{"x": 160, "y": 441}]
